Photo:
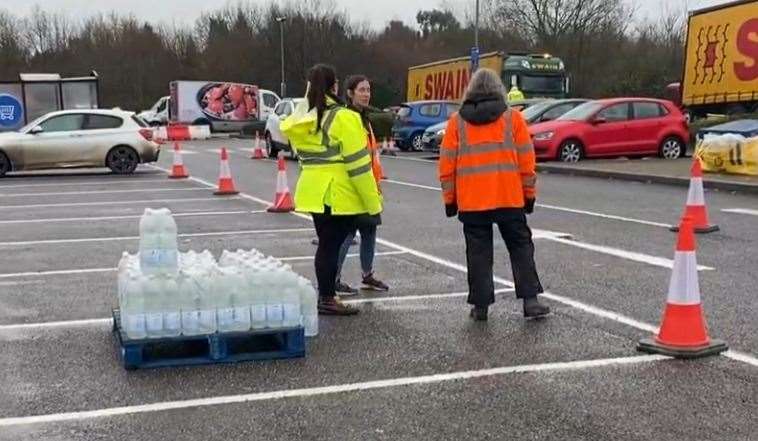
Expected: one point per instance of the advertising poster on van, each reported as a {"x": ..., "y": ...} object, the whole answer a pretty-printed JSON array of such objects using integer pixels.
[{"x": 214, "y": 101}]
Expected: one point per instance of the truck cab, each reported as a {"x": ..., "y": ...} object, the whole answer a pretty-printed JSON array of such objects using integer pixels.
[
  {"x": 157, "y": 115},
  {"x": 536, "y": 75}
]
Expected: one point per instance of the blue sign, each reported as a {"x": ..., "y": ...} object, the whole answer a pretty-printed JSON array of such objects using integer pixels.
[
  {"x": 11, "y": 111},
  {"x": 474, "y": 58}
]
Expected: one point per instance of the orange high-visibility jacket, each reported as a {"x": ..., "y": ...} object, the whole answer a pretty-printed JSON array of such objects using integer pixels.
[
  {"x": 490, "y": 166},
  {"x": 376, "y": 165}
]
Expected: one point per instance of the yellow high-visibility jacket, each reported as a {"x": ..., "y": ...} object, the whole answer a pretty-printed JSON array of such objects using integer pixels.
[{"x": 335, "y": 161}]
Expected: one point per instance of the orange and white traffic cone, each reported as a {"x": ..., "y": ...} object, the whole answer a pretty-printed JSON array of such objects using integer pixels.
[
  {"x": 695, "y": 207},
  {"x": 683, "y": 332},
  {"x": 283, "y": 199},
  {"x": 225, "y": 182},
  {"x": 178, "y": 171},
  {"x": 257, "y": 149}
]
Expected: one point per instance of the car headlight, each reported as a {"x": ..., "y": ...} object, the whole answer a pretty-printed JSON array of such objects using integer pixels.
[
  {"x": 440, "y": 133},
  {"x": 525, "y": 64},
  {"x": 543, "y": 136}
]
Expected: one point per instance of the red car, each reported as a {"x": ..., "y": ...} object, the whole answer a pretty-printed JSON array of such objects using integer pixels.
[{"x": 613, "y": 127}]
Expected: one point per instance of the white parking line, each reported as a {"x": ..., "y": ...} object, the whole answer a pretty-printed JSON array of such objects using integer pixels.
[
  {"x": 125, "y": 217},
  {"x": 628, "y": 255},
  {"x": 85, "y": 183},
  {"x": 590, "y": 309},
  {"x": 553, "y": 207},
  {"x": 329, "y": 390},
  {"x": 741, "y": 211},
  {"x": 143, "y": 201},
  {"x": 109, "y": 321},
  {"x": 305, "y": 258},
  {"x": 113, "y": 269},
  {"x": 122, "y": 238},
  {"x": 56, "y": 272},
  {"x": 133, "y": 190}
]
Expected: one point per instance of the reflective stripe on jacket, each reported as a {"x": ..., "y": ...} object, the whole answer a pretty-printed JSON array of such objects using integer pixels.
[
  {"x": 490, "y": 166},
  {"x": 335, "y": 163}
]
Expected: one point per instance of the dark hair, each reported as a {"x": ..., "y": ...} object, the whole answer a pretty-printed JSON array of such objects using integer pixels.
[
  {"x": 351, "y": 84},
  {"x": 322, "y": 78}
]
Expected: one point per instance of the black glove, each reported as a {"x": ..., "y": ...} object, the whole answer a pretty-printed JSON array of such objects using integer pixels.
[
  {"x": 529, "y": 206},
  {"x": 451, "y": 210}
]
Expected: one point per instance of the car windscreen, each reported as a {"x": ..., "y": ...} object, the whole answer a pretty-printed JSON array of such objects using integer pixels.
[
  {"x": 536, "y": 110},
  {"x": 541, "y": 84},
  {"x": 404, "y": 112},
  {"x": 582, "y": 112}
]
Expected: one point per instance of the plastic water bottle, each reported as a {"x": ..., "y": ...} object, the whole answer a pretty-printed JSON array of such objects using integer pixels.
[
  {"x": 133, "y": 308},
  {"x": 290, "y": 296},
  {"x": 309, "y": 306},
  {"x": 272, "y": 290},
  {"x": 151, "y": 290},
  {"x": 234, "y": 310},
  {"x": 158, "y": 242},
  {"x": 206, "y": 302},
  {"x": 172, "y": 318},
  {"x": 189, "y": 304},
  {"x": 256, "y": 294}
]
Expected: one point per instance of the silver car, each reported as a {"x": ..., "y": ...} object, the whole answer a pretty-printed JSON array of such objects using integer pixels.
[{"x": 79, "y": 138}]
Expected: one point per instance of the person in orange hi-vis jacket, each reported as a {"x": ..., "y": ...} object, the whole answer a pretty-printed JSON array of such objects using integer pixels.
[
  {"x": 357, "y": 97},
  {"x": 487, "y": 173}
]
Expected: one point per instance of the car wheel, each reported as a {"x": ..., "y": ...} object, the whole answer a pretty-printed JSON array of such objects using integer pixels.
[
  {"x": 5, "y": 164},
  {"x": 671, "y": 148},
  {"x": 417, "y": 142},
  {"x": 271, "y": 151},
  {"x": 570, "y": 151},
  {"x": 122, "y": 160}
]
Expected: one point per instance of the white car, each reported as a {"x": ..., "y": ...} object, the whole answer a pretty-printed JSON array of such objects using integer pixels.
[
  {"x": 275, "y": 139},
  {"x": 115, "y": 139}
]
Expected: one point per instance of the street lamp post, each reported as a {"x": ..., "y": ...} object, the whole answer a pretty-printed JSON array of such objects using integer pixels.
[
  {"x": 476, "y": 25},
  {"x": 281, "y": 21}
]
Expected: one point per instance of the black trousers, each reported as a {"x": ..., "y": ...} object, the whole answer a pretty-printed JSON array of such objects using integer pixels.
[
  {"x": 479, "y": 257},
  {"x": 332, "y": 232}
]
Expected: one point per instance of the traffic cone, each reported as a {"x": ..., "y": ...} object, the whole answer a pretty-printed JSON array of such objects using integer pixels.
[
  {"x": 695, "y": 207},
  {"x": 225, "y": 182},
  {"x": 683, "y": 332},
  {"x": 257, "y": 150},
  {"x": 178, "y": 171},
  {"x": 283, "y": 199}
]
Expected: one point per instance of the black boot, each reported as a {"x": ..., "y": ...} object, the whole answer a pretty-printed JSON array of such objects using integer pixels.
[
  {"x": 479, "y": 313},
  {"x": 534, "y": 309}
]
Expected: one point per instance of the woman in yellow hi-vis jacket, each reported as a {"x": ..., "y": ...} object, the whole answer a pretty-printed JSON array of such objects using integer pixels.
[{"x": 336, "y": 184}]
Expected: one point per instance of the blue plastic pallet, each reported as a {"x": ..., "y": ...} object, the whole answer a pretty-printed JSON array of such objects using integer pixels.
[{"x": 231, "y": 347}]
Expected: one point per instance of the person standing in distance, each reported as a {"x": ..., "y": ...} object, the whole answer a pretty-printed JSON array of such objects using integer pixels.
[
  {"x": 336, "y": 185},
  {"x": 487, "y": 174},
  {"x": 358, "y": 98}
]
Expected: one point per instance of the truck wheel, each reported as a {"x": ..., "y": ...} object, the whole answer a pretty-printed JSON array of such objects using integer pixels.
[
  {"x": 5, "y": 164},
  {"x": 272, "y": 151},
  {"x": 671, "y": 148},
  {"x": 570, "y": 151},
  {"x": 122, "y": 160}
]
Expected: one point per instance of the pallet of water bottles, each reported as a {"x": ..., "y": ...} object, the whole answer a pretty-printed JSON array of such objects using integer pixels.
[{"x": 219, "y": 347}]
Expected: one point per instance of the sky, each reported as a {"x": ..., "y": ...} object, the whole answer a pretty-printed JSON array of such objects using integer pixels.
[{"x": 375, "y": 13}]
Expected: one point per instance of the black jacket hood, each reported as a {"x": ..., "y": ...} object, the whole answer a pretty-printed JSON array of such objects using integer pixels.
[{"x": 483, "y": 109}]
